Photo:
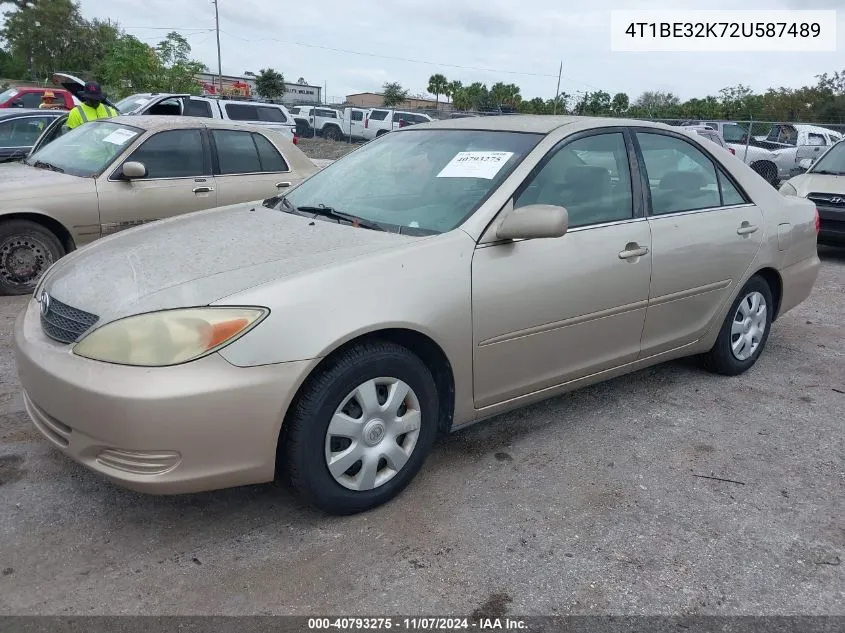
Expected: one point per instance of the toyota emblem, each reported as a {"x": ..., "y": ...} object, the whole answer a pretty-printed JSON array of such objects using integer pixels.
[{"x": 45, "y": 303}]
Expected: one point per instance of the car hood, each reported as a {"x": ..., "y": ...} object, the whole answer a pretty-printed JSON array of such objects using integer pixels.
[
  {"x": 818, "y": 183},
  {"x": 203, "y": 257},
  {"x": 18, "y": 180}
]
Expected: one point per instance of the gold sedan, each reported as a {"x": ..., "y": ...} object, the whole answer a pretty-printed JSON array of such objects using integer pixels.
[
  {"x": 109, "y": 175},
  {"x": 437, "y": 276}
]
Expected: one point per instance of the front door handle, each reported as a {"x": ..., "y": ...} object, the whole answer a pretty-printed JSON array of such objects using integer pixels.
[
  {"x": 282, "y": 185},
  {"x": 633, "y": 250},
  {"x": 203, "y": 189},
  {"x": 746, "y": 229}
]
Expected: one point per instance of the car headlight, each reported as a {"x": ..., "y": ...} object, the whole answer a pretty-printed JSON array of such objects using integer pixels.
[
  {"x": 169, "y": 337},
  {"x": 788, "y": 190}
]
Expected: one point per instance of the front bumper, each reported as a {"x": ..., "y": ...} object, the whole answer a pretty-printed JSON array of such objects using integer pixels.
[
  {"x": 199, "y": 426},
  {"x": 832, "y": 225}
]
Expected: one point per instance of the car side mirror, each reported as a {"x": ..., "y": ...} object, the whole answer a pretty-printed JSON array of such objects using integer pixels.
[
  {"x": 534, "y": 221},
  {"x": 133, "y": 169},
  {"x": 805, "y": 163}
]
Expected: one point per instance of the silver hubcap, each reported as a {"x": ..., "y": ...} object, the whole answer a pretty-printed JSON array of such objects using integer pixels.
[
  {"x": 373, "y": 433},
  {"x": 749, "y": 326}
]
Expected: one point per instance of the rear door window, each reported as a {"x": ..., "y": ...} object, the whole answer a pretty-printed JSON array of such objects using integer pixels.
[
  {"x": 241, "y": 112},
  {"x": 268, "y": 155},
  {"x": 357, "y": 115},
  {"x": 195, "y": 107},
  {"x": 236, "y": 152},
  {"x": 378, "y": 115},
  {"x": 269, "y": 114}
]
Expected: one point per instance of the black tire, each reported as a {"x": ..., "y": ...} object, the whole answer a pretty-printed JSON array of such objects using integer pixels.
[
  {"x": 302, "y": 449},
  {"x": 303, "y": 130},
  {"x": 381, "y": 133},
  {"x": 721, "y": 359},
  {"x": 27, "y": 249},
  {"x": 331, "y": 132},
  {"x": 767, "y": 170}
]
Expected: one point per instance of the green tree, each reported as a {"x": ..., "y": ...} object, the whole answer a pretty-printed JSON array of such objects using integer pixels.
[
  {"x": 178, "y": 71},
  {"x": 131, "y": 66},
  {"x": 452, "y": 88},
  {"x": 438, "y": 85},
  {"x": 270, "y": 83},
  {"x": 393, "y": 93},
  {"x": 620, "y": 103},
  {"x": 597, "y": 103}
]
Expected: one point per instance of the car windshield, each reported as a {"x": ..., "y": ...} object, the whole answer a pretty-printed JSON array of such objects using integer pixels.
[
  {"x": 7, "y": 94},
  {"x": 86, "y": 150},
  {"x": 131, "y": 103},
  {"x": 832, "y": 162},
  {"x": 733, "y": 133},
  {"x": 418, "y": 181}
]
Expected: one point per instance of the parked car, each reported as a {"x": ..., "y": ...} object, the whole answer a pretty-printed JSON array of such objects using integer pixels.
[
  {"x": 273, "y": 116},
  {"x": 19, "y": 129},
  {"x": 111, "y": 174},
  {"x": 824, "y": 184},
  {"x": 383, "y": 120},
  {"x": 711, "y": 135},
  {"x": 353, "y": 122},
  {"x": 793, "y": 143},
  {"x": 30, "y": 97},
  {"x": 317, "y": 121},
  {"x": 434, "y": 277}
]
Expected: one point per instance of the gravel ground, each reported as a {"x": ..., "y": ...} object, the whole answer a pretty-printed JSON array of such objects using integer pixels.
[
  {"x": 324, "y": 149},
  {"x": 588, "y": 503}
]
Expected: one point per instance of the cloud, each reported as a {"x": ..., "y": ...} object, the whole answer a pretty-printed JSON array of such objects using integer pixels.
[{"x": 530, "y": 37}]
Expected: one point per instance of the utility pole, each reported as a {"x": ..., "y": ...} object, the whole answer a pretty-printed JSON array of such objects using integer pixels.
[
  {"x": 557, "y": 92},
  {"x": 219, "y": 63}
]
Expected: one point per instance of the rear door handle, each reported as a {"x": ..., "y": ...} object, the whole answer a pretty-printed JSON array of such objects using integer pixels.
[
  {"x": 203, "y": 189},
  {"x": 633, "y": 250},
  {"x": 282, "y": 185},
  {"x": 746, "y": 229}
]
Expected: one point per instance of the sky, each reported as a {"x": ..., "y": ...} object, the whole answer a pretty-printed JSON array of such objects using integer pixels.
[{"x": 351, "y": 47}]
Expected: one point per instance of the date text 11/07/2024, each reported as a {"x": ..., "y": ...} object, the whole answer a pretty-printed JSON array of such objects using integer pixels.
[{"x": 416, "y": 624}]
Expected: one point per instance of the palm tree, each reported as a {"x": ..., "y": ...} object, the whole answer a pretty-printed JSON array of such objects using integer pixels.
[
  {"x": 438, "y": 85},
  {"x": 453, "y": 88}
]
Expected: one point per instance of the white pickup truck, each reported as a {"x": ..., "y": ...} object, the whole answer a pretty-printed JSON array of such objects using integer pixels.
[
  {"x": 318, "y": 121},
  {"x": 270, "y": 115},
  {"x": 383, "y": 120},
  {"x": 793, "y": 142}
]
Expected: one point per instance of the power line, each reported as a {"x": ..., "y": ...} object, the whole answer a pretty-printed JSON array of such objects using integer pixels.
[{"x": 402, "y": 59}]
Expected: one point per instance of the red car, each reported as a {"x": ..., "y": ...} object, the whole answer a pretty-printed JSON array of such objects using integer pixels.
[{"x": 30, "y": 97}]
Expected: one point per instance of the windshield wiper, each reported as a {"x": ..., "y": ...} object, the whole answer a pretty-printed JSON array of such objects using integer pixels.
[
  {"x": 44, "y": 165},
  {"x": 329, "y": 212},
  {"x": 825, "y": 172}
]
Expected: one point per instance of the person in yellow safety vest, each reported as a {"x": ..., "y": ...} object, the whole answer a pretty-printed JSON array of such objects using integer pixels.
[{"x": 91, "y": 108}]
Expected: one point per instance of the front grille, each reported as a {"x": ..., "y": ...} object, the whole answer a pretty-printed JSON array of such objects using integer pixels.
[
  {"x": 834, "y": 200},
  {"x": 62, "y": 322}
]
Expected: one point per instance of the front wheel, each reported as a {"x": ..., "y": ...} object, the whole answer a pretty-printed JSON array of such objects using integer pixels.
[
  {"x": 331, "y": 133},
  {"x": 27, "y": 250},
  {"x": 361, "y": 428},
  {"x": 745, "y": 330}
]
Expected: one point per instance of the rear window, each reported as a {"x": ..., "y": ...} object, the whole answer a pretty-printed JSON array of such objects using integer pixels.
[
  {"x": 241, "y": 112},
  {"x": 357, "y": 115},
  {"x": 275, "y": 115},
  {"x": 7, "y": 94},
  {"x": 378, "y": 115},
  {"x": 328, "y": 114},
  {"x": 195, "y": 107}
]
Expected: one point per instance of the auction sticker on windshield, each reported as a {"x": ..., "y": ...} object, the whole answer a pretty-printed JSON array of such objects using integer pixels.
[
  {"x": 119, "y": 137},
  {"x": 475, "y": 165}
]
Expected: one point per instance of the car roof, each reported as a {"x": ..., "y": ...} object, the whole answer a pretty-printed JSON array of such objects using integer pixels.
[
  {"x": 7, "y": 113},
  {"x": 154, "y": 122},
  {"x": 537, "y": 123}
]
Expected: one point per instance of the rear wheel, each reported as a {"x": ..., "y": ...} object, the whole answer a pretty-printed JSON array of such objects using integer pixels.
[
  {"x": 381, "y": 133},
  {"x": 361, "y": 428},
  {"x": 27, "y": 249},
  {"x": 767, "y": 170},
  {"x": 745, "y": 330},
  {"x": 331, "y": 132}
]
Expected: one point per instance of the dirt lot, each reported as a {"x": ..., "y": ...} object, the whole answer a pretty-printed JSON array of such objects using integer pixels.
[
  {"x": 589, "y": 503},
  {"x": 323, "y": 149}
]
